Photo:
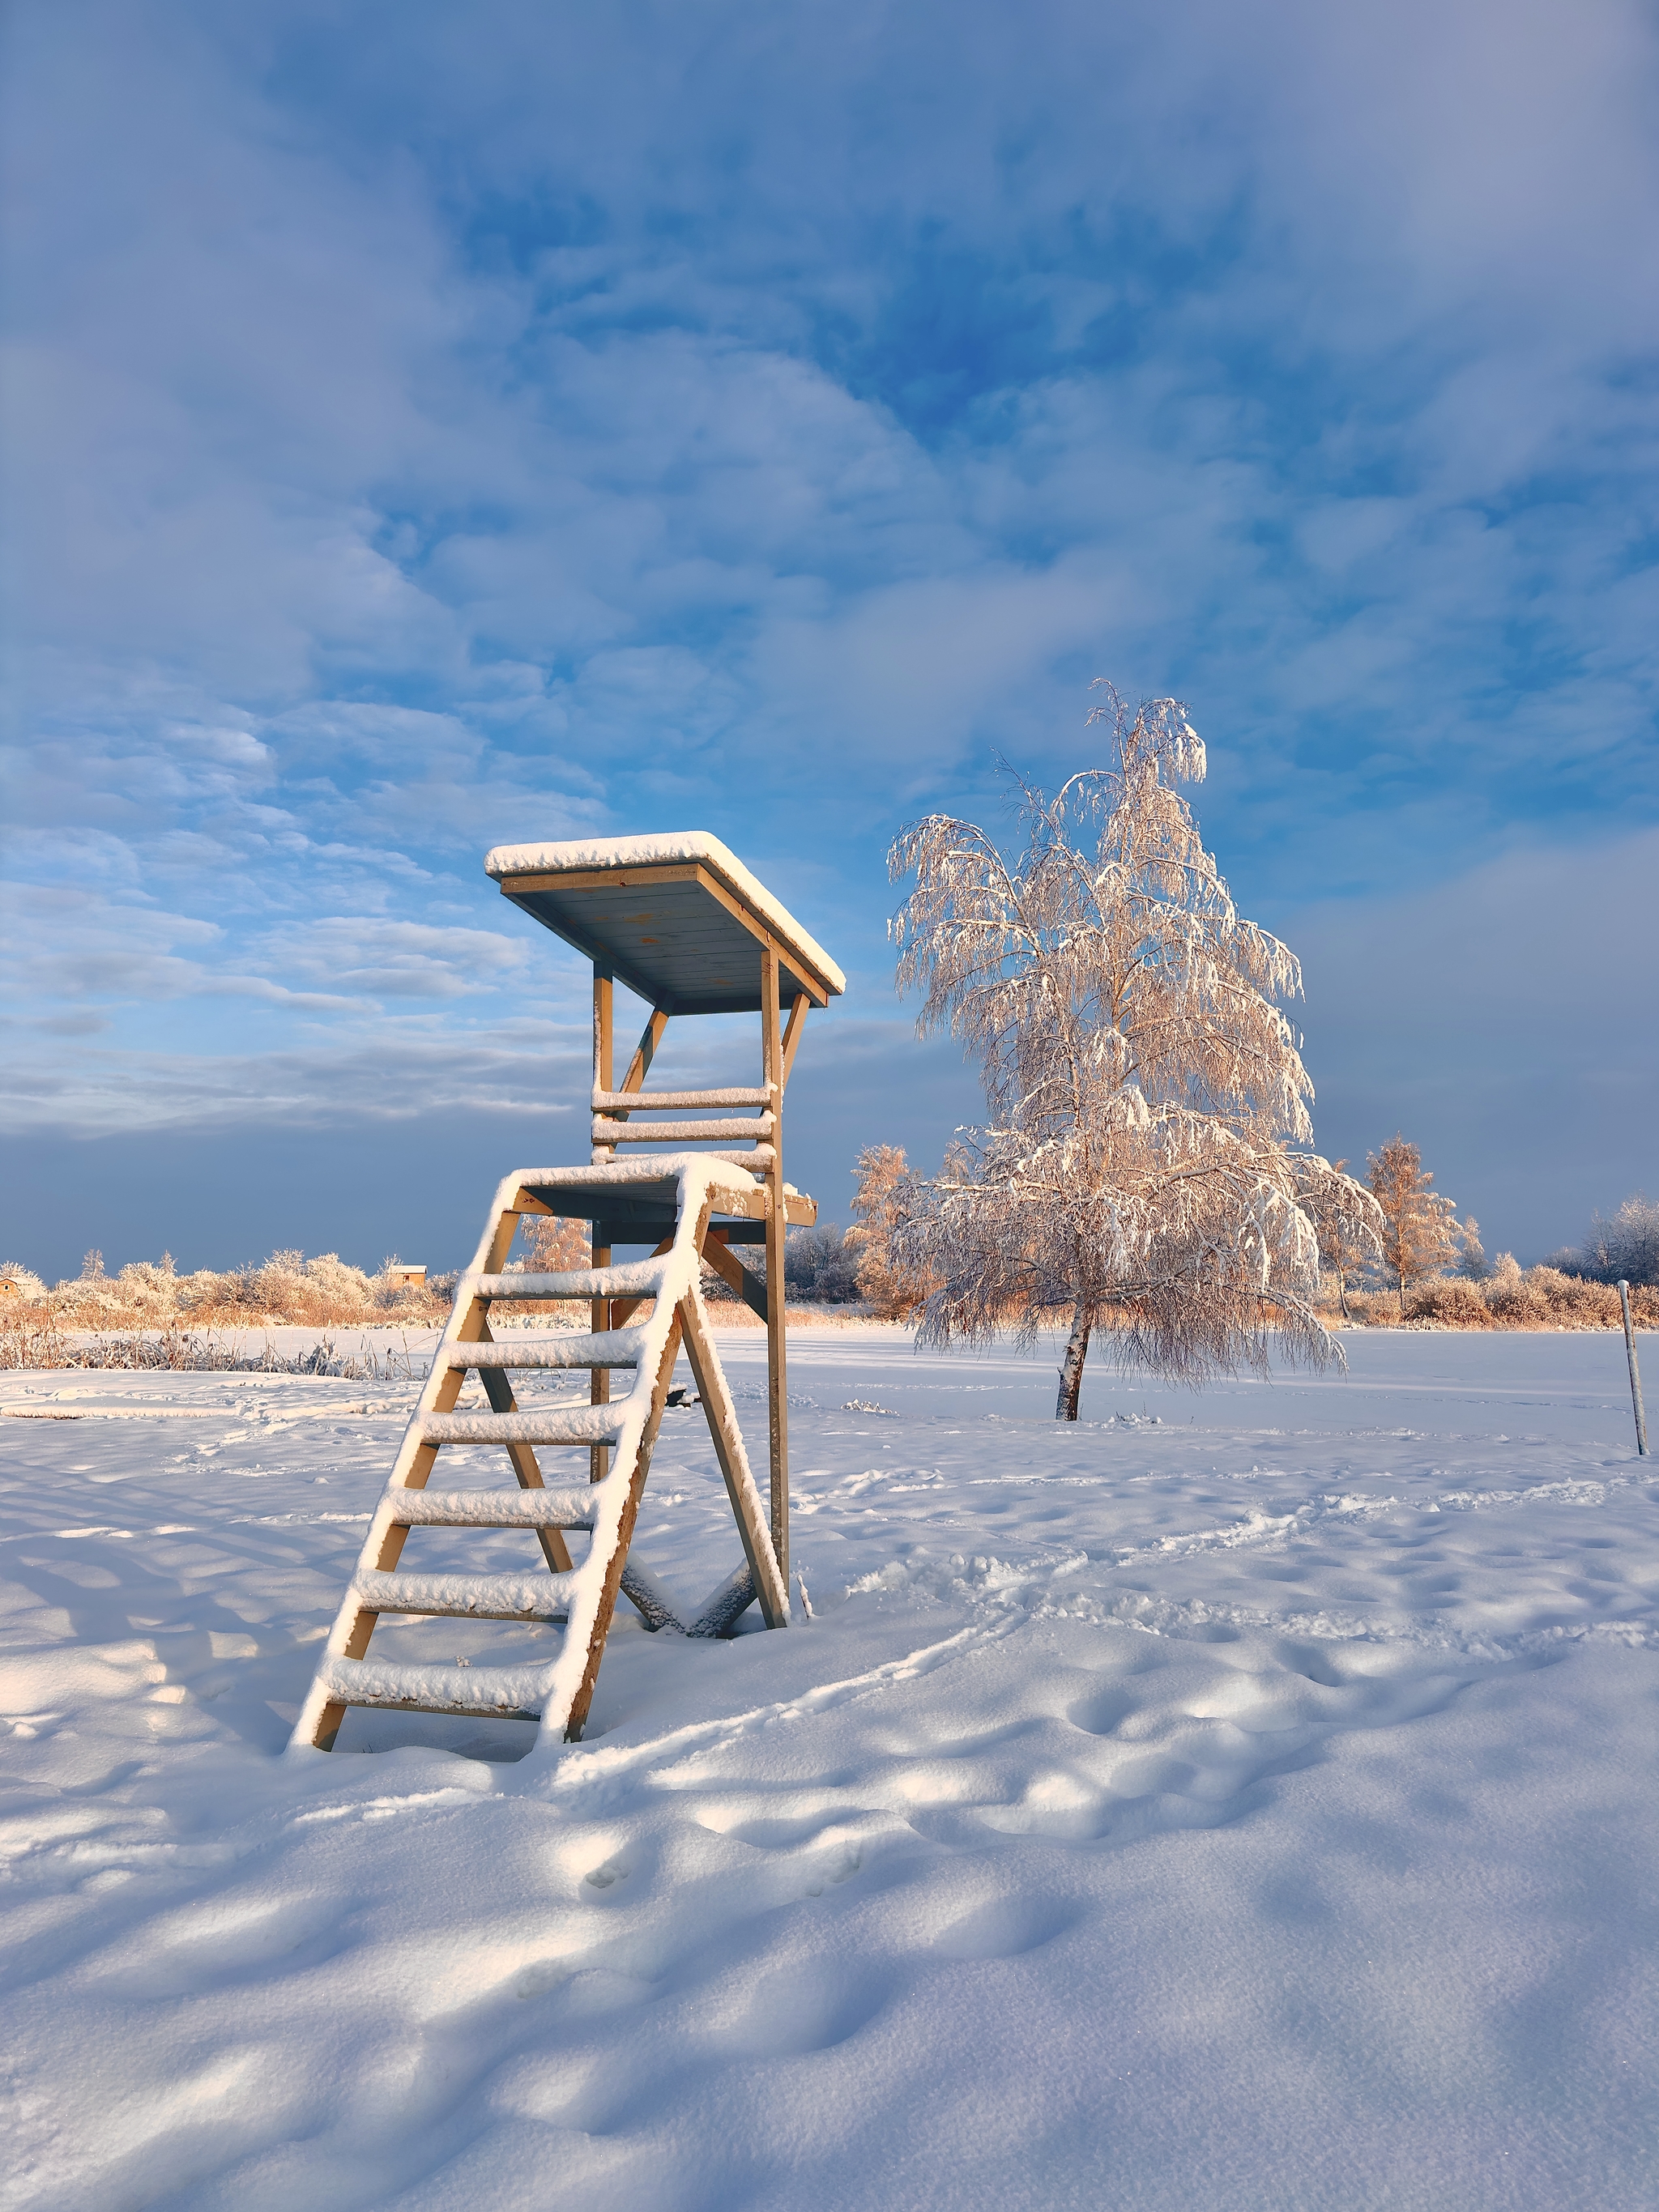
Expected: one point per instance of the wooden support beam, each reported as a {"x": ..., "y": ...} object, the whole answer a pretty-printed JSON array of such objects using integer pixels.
[
  {"x": 777, "y": 1395},
  {"x": 644, "y": 1053},
  {"x": 663, "y": 1377},
  {"x": 750, "y": 1287},
  {"x": 599, "y": 1385},
  {"x": 604, "y": 994},
  {"x": 792, "y": 1034},
  {"x": 769, "y": 1586}
]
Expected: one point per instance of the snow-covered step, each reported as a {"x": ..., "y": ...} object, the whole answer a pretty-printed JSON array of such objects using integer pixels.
[
  {"x": 681, "y": 1133},
  {"x": 658, "y": 1102},
  {"x": 480, "y": 1597},
  {"x": 506, "y": 1693},
  {"x": 556, "y": 1424},
  {"x": 629, "y": 1279},
  {"x": 611, "y": 1347},
  {"x": 492, "y": 1508},
  {"x": 576, "y": 1594}
]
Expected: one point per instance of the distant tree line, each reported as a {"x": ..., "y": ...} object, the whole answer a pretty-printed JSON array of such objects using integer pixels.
[{"x": 1626, "y": 1247}]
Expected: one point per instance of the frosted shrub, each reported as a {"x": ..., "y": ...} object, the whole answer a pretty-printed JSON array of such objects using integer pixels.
[
  {"x": 1510, "y": 1297},
  {"x": 346, "y": 1288},
  {"x": 147, "y": 1290},
  {"x": 92, "y": 1300},
  {"x": 1571, "y": 1302},
  {"x": 1452, "y": 1301},
  {"x": 287, "y": 1288}
]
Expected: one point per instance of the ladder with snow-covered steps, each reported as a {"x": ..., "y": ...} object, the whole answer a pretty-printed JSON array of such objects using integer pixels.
[
  {"x": 581, "y": 1599},
  {"x": 679, "y": 920}
]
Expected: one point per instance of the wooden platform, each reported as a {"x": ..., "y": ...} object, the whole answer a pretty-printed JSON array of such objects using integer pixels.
[{"x": 678, "y": 918}]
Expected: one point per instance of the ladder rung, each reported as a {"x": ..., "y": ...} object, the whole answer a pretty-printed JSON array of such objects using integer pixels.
[
  {"x": 612, "y": 1347},
  {"x": 492, "y": 1508},
  {"x": 477, "y": 1597},
  {"x": 561, "y": 1424},
  {"x": 514, "y": 1693},
  {"x": 658, "y": 1102},
  {"x": 680, "y": 1133},
  {"x": 758, "y": 1162},
  {"x": 629, "y": 1279}
]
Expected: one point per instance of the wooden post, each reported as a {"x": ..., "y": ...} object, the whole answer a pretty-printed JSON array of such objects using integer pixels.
[
  {"x": 777, "y": 1398},
  {"x": 599, "y": 1382},
  {"x": 1635, "y": 1373},
  {"x": 603, "y": 1154}
]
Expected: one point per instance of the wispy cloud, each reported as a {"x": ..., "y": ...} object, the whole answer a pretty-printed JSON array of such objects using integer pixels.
[{"x": 419, "y": 438}]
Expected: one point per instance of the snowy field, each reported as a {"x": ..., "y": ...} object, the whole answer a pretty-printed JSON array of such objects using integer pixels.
[{"x": 1240, "y": 1800}]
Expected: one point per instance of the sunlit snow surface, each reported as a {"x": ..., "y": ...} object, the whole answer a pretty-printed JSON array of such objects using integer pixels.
[{"x": 1239, "y": 1800}]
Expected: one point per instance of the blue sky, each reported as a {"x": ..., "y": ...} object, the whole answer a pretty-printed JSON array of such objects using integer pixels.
[{"x": 428, "y": 427}]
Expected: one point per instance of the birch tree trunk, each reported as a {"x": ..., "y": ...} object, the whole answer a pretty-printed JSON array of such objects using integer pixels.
[{"x": 1070, "y": 1375}]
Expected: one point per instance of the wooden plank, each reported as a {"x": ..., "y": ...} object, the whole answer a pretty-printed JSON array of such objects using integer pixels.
[
  {"x": 750, "y": 1287},
  {"x": 644, "y": 1053},
  {"x": 599, "y": 1382},
  {"x": 622, "y": 1131},
  {"x": 598, "y": 880},
  {"x": 577, "y": 1716},
  {"x": 777, "y": 1399},
  {"x": 624, "y": 958},
  {"x": 792, "y": 1038},
  {"x": 603, "y": 991},
  {"x": 729, "y": 1101},
  {"x": 704, "y": 1362},
  {"x": 801, "y": 967},
  {"x": 602, "y": 880}
]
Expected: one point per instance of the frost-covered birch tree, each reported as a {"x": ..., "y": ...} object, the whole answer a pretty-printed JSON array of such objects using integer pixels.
[
  {"x": 1420, "y": 1236},
  {"x": 1142, "y": 1174}
]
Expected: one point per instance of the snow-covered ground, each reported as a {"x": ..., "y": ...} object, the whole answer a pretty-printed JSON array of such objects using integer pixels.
[{"x": 1239, "y": 1800}]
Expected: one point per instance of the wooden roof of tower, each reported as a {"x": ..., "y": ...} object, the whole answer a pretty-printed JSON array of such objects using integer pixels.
[{"x": 678, "y": 918}]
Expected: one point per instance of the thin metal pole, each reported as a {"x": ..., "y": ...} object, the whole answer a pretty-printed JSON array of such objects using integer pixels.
[{"x": 1635, "y": 1373}]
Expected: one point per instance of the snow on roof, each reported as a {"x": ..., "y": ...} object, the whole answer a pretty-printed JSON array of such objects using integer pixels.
[{"x": 666, "y": 850}]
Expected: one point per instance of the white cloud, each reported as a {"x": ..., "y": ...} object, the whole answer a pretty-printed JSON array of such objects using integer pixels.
[{"x": 424, "y": 441}]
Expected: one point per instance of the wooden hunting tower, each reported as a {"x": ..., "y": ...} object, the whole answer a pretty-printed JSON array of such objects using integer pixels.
[{"x": 682, "y": 923}]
